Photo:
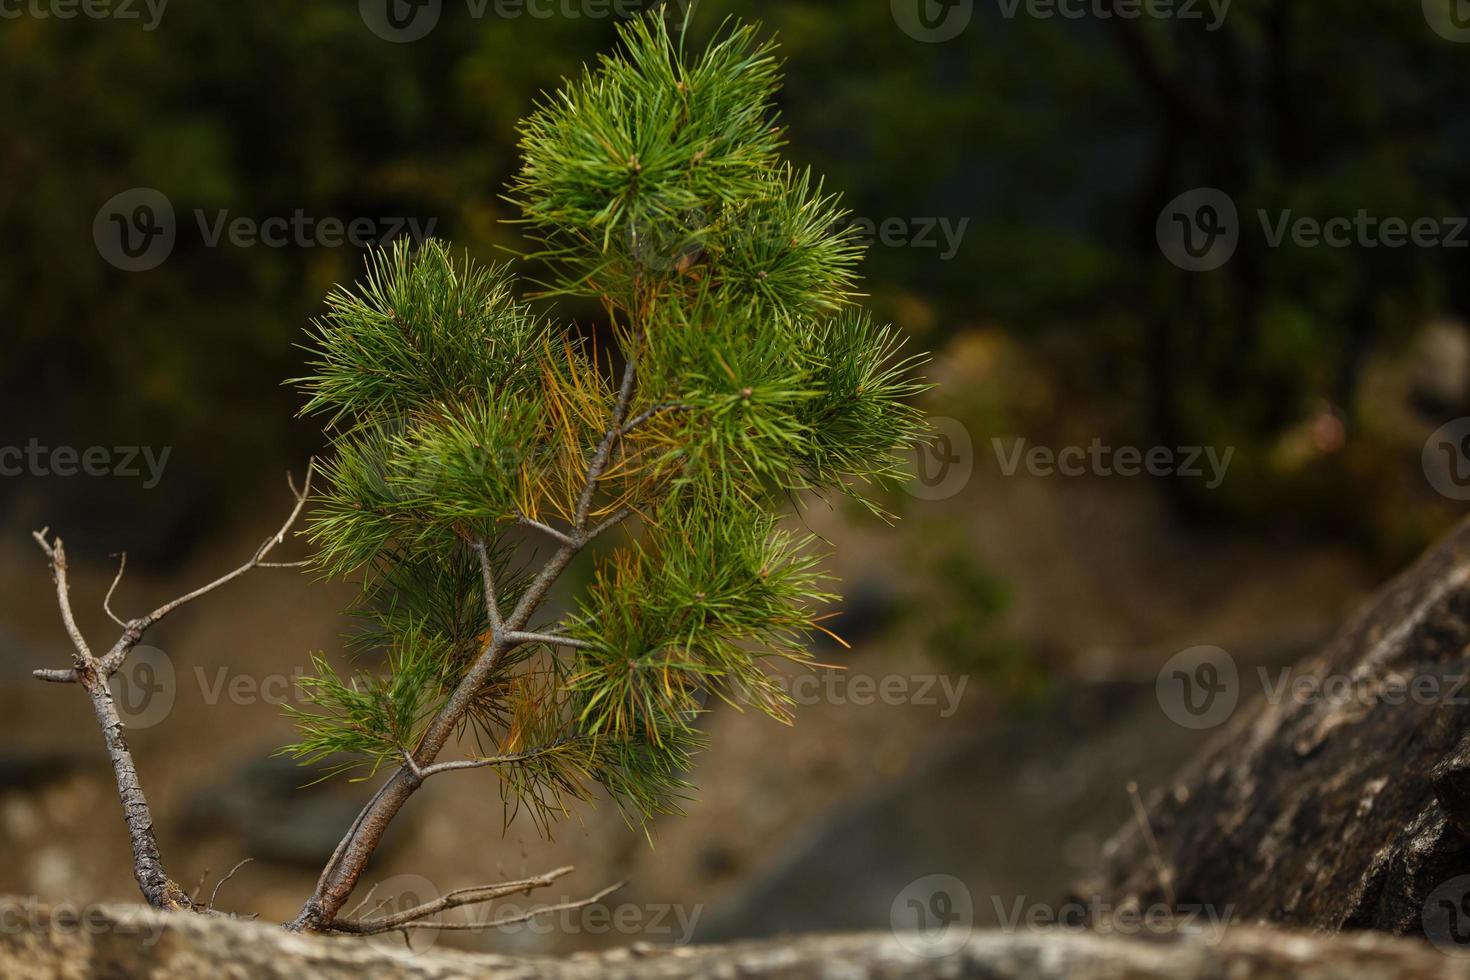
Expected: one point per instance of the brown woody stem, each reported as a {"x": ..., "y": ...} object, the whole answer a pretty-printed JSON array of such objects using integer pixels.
[{"x": 347, "y": 865}]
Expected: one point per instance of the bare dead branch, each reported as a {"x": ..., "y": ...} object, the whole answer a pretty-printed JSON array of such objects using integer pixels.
[
  {"x": 460, "y": 898},
  {"x": 450, "y": 900},
  {"x": 510, "y": 920},
  {"x": 93, "y": 674}
]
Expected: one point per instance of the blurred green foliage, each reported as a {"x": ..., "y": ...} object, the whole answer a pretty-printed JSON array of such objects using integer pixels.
[{"x": 1059, "y": 140}]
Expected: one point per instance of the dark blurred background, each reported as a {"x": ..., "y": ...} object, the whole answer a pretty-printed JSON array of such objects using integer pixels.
[{"x": 1036, "y": 179}]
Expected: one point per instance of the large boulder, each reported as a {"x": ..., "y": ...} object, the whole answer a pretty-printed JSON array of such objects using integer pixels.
[{"x": 1340, "y": 797}]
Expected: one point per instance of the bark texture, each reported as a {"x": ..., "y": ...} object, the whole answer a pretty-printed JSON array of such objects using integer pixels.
[
  {"x": 1345, "y": 804},
  {"x": 133, "y": 941}
]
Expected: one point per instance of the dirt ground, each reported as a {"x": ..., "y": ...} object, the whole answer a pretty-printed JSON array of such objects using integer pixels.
[{"x": 1105, "y": 587}]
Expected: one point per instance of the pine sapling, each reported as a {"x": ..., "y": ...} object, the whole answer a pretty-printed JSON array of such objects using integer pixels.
[{"x": 478, "y": 449}]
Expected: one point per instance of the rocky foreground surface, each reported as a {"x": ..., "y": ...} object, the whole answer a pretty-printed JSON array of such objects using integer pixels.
[{"x": 131, "y": 941}]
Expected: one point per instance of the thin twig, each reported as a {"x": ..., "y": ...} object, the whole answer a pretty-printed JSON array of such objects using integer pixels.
[
  {"x": 547, "y": 638},
  {"x": 656, "y": 410},
  {"x": 136, "y": 628},
  {"x": 492, "y": 598},
  {"x": 1166, "y": 874},
  {"x": 618, "y": 517},
  {"x": 511, "y": 920},
  {"x": 215, "y": 894},
  {"x": 107, "y": 602},
  {"x": 547, "y": 529},
  {"x": 194, "y": 895},
  {"x": 458, "y": 898},
  {"x": 82, "y": 657},
  {"x": 424, "y": 772},
  {"x": 368, "y": 898}
]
